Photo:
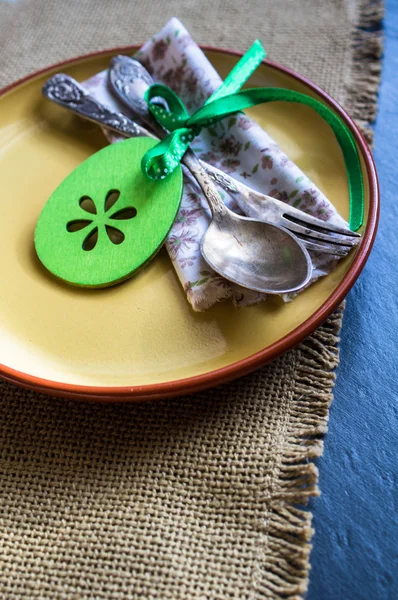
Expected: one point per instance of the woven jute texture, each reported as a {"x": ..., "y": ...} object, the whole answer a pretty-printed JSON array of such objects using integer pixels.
[{"x": 190, "y": 498}]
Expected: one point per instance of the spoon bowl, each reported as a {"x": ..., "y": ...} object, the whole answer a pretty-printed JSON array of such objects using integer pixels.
[{"x": 245, "y": 248}]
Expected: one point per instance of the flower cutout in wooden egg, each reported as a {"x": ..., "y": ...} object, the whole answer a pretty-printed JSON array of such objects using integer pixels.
[{"x": 100, "y": 225}]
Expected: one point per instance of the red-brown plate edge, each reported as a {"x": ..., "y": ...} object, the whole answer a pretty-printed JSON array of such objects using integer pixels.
[{"x": 243, "y": 367}]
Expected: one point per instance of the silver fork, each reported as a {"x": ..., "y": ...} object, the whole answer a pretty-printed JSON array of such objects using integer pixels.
[
  {"x": 316, "y": 234},
  {"x": 67, "y": 92}
]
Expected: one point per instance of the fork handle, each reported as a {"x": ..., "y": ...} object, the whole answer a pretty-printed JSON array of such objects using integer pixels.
[{"x": 67, "y": 92}]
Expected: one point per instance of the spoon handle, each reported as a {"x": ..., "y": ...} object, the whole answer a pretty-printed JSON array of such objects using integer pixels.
[
  {"x": 67, "y": 92},
  {"x": 127, "y": 78},
  {"x": 206, "y": 184}
]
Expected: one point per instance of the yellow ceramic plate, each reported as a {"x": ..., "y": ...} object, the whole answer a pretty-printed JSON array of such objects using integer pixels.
[{"x": 141, "y": 339}]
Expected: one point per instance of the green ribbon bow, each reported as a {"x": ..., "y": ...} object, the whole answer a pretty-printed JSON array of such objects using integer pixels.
[{"x": 162, "y": 159}]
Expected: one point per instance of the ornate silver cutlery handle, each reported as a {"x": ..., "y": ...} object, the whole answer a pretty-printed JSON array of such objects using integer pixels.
[{"x": 67, "y": 92}]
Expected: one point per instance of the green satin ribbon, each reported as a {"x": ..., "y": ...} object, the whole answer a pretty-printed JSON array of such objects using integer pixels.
[{"x": 162, "y": 159}]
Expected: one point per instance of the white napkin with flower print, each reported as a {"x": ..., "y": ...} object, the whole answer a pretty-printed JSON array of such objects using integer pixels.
[{"x": 238, "y": 146}]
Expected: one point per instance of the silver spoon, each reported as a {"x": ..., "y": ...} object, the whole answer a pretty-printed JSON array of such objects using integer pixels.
[
  {"x": 129, "y": 80},
  {"x": 254, "y": 254}
]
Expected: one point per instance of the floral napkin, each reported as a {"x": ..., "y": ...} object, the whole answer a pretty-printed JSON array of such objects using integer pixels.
[{"x": 238, "y": 146}]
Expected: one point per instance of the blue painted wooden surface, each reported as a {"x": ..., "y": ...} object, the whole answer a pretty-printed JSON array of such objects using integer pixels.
[{"x": 355, "y": 555}]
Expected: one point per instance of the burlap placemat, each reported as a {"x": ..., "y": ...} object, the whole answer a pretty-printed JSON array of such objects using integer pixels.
[{"x": 190, "y": 498}]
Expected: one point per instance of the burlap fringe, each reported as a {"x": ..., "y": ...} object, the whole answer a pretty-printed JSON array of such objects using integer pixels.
[
  {"x": 286, "y": 557},
  {"x": 366, "y": 69}
]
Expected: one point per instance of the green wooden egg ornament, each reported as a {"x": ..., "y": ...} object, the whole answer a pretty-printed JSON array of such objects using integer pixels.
[{"x": 107, "y": 219}]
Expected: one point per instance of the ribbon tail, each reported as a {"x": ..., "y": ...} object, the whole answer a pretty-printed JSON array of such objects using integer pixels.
[
  {"x": 241, "y": 72},
  {"x": 158, "y": 162}
]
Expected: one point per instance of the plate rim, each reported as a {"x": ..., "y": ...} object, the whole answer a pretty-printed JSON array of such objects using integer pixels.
[{"x": 197, "y": 383}]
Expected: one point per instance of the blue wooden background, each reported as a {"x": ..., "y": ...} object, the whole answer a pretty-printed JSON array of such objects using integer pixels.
[{"x": 355, "y": 555}]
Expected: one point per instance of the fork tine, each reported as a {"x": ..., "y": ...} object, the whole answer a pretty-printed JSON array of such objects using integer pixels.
[
  {"x": 307, "y": 231},
  {"x": 334, "y": 249},
  {"x": 323, "y": 248},
  {"x": 300, "y": 218}
]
